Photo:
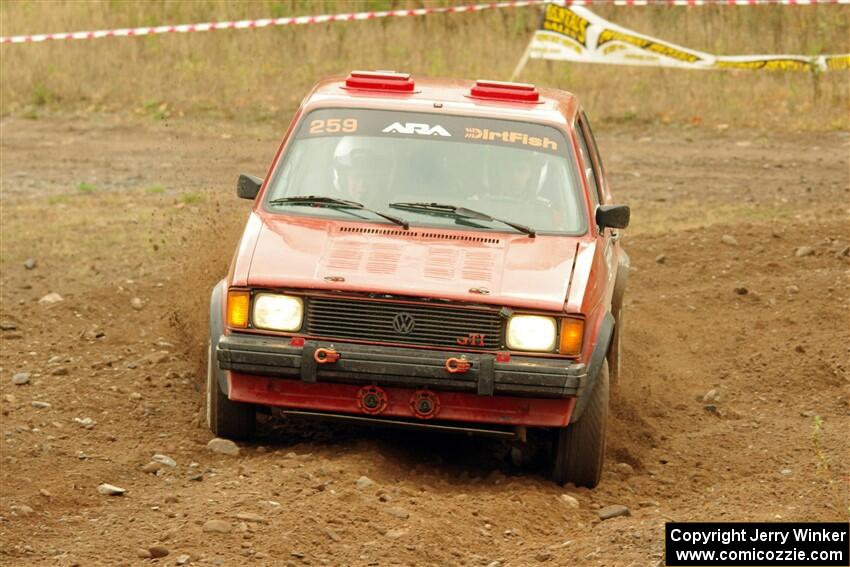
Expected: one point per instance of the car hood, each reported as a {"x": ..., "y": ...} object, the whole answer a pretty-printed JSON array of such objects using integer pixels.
[{"x": 503, "y": 269}]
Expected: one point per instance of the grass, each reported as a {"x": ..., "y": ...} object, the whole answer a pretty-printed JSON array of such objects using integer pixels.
[
  {"x": 263, "y": 74},
  {"x": 86, "y": 188},
  {"x": 191, "y": 198},
  {"x": 155, "y": 190}
]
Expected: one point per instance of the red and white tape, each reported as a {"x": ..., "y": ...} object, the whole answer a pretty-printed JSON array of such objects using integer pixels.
[{"x": 354, "y": 16}]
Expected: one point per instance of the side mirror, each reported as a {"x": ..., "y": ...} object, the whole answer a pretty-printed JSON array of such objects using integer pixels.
[
  {"x": 248, "y": 186},
  {"x": 612, "y": 216}
]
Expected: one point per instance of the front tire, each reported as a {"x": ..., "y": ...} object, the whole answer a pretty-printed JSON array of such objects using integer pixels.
[
  {"x": 225, "y": 418},
  {"x": 580, "y": 447},
  {"x": 615, "y": 354}
]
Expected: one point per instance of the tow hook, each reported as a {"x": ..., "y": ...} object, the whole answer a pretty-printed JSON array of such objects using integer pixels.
[
  {"x": 372, "y": 399},
  {"x": 425, "y": 404},
  {"x": 325, "y": 355},
  {"x": 455, "y": 365}
]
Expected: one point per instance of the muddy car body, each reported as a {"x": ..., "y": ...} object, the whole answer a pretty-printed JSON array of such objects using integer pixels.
[{"x": 435, "y": 253}]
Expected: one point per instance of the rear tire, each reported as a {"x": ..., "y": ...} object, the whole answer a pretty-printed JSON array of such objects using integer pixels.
[
  {"x": 225, "y": 418},
  {"x": 580, "y": 447}
]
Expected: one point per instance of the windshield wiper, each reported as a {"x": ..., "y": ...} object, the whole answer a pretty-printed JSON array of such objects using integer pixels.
[
  {"x": 333, "y": 203},
  {"x": 460, "y": 212}
]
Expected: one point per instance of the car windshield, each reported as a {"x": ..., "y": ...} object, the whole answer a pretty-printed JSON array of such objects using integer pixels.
[{"x": 520, "y": 172}]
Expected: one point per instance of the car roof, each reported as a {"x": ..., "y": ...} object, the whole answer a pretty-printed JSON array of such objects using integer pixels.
[{"x": 451, "y": 96}]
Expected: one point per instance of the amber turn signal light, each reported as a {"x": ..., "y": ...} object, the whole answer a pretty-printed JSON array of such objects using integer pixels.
[
  {"x": 572, "y": 333},
  {"x": 237, "y": 308}
]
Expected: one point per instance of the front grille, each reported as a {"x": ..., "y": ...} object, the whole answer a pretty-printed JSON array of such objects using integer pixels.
[{"x": 374, "y": 321}]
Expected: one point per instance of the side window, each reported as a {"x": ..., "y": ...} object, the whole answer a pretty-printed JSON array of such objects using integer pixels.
[
  {"x": 589, "y": 171},
  {"x": 594, "y": 152}
]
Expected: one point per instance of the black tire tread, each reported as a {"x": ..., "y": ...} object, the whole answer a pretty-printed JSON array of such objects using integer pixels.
[
  {"x": 228, "y": 419},
  {"x": 580, "y": 447}
]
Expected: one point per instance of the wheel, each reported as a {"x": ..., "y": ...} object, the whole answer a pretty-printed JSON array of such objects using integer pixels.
[
  {"x": 615, "y": 353},
  {"x": 580, "y": 447},
  {"x": 233, "y": 420}
]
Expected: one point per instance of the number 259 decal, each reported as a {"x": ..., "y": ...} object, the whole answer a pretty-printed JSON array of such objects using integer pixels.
[{"x": 333, "y": 125}]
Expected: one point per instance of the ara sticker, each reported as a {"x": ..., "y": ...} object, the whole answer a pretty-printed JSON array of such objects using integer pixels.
[{"x": 415, "y": 128}]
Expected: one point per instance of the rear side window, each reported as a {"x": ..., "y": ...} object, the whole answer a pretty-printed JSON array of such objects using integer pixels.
[
  {"x": 594, "y": 151},
  {"x": 589, "y": 172}
]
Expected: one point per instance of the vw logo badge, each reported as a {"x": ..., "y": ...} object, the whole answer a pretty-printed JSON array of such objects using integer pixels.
[{"x": 403, "y": 323}]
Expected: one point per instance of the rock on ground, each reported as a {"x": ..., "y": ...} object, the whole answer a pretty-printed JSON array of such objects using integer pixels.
[
  {"x": 217, "y": 526},
  {"x": 399, "y": 512},
  {"x": 21, "y": 378},
  {"x": 110, "y": 490},
  {"x": 50, "y": 299},
  {"x": 570, "y": 501},
  {"x": 157, "y": 551},
  {"x": 613, "y": 511},
  {"x": 165, "y": 460},
  {"x": 223, "y": 446},
  {"x": 250, "y": 517}
]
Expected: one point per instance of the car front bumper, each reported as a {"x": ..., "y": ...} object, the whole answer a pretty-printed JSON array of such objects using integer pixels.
[
  {"x": 272, "y": 371},
  {"x": 401, "y": 367}
]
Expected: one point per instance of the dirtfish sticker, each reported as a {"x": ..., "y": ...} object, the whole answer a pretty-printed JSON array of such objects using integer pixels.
[
  {"x": 414, "y": 128},
  {"x": 511, "y": 138}
]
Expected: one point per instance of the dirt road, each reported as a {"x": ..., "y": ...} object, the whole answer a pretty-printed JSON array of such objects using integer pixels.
[{"x": 733, "y": 404}]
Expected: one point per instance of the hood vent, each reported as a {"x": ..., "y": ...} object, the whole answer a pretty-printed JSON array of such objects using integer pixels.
[{"x": 417, "y": 235}]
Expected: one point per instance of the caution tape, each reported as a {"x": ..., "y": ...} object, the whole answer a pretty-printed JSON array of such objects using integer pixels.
[
  {"x": 360, "y": 16},
  {"x": 573, "y": 33}
]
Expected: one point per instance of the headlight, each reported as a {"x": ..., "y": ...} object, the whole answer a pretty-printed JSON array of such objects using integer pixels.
[
  {"x": 531, "y": 332},
  {"x": 278, "y": 312}
]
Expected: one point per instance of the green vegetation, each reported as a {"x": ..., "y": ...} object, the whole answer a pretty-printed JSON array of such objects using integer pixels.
[
  {"x": 85, "y": 187},
  {"x": 262, "y": 74},
  {"x": 155, "y": 189},
  {"x": 191, "y": 198}
]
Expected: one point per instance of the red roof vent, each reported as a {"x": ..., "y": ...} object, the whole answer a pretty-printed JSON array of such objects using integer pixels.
[
  {"x": 508, "y": 92},
  {"x": 380, "y": 81}
]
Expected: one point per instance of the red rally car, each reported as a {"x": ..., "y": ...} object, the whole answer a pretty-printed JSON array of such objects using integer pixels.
[{"x": 429, "y": 254}]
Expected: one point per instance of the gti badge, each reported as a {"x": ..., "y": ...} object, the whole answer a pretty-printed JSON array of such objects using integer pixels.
[{"x": 472, "y": 339}]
